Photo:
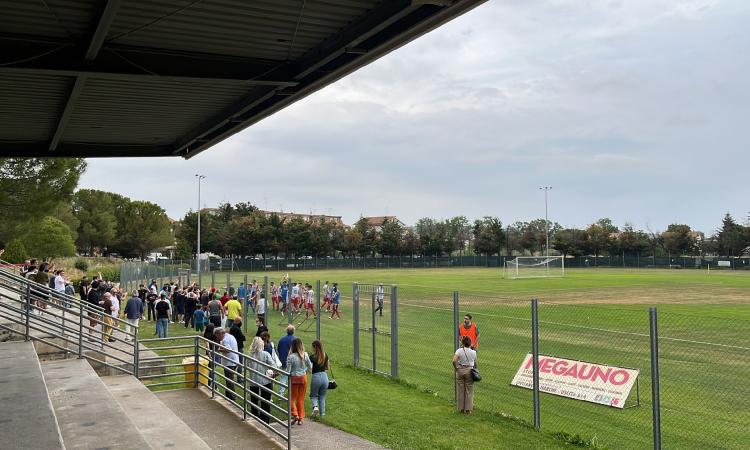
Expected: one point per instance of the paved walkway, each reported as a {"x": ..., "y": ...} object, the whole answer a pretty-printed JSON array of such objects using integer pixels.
[{"x": 310, "y": 436}]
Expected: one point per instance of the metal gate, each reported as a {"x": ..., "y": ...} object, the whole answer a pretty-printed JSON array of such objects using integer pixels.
[{"x": 375, "y": 308}]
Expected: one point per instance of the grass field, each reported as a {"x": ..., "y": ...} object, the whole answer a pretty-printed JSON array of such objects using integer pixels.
[{"x": 591, "y": 314}]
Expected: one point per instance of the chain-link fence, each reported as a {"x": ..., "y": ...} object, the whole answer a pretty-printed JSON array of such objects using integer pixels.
[{"x": 704, "y": 362}]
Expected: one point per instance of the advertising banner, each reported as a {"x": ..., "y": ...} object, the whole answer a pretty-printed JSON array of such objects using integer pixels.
[{"x": 590, "y": 382}]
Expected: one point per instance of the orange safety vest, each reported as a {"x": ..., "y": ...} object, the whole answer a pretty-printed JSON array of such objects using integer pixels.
[{"x": 471, "y": 332}]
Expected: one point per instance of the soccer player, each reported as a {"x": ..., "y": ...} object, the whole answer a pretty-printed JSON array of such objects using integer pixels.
[
  {"x": 295, "y": 297},
  {"x": 274, "y": 296},
  {"x": 326, "y": 297},
  {"x": 335, "y": 300},
  {"x": 284, "y": 291},
  {"x": 310, "y": 305},
  {"x": 379, "y": 298}
]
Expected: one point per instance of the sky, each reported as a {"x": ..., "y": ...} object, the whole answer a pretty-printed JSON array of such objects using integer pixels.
[{"x": 634, "y": 110}]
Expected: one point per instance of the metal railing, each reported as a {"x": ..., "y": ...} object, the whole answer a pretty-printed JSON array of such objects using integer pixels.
[
  {"x": 200, "y": 359},
  {"x": 59, "y": 320}
]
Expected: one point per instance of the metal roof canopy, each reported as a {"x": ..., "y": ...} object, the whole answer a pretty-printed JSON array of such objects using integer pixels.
[{"x": 91, "y": 78}]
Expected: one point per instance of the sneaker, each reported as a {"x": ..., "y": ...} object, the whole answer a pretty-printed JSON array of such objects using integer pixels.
[{"x": 315, "y": 412}]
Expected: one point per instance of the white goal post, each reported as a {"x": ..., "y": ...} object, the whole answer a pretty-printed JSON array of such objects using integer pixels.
[{"x": 535, "y": 267}]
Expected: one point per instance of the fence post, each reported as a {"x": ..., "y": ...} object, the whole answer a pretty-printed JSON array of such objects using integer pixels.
[
  {"x": 455, "y": 337},
  {"x": 28, "y": 309},
  {"x": 318, "y": 310},
  {"x": 374, "y": 336},
  {"x": 394, "y": 331},
  {"x": 289, "y": 310},
  {"x": 136, "y": 354},
  {"x": 355, "y": 321},
  {"x": 244, "y": 387},
  {"x": 213, "y": 279},
  {"x": 244, "y": 307},
  {"x": 654, "y": 337},
  {"x": 196, "y": 366},
  {"x": 535, "y": 359},
  {"x": 80, "y": 330},
  {"x": 266, "y": 298},
  {"x": 229, "y": 280}
]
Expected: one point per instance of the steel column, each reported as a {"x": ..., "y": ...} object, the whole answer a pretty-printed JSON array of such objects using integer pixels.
[
  {"x": 535, "y": 359},
  {"x": 656, "y": 411},
  {"x": 355, "y": 320},
  {"x": 317, "y": 310},
  {"x": 394, "y": 331}
]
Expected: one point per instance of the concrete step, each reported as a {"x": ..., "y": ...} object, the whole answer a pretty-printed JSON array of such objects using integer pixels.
[
  {"x": 220, "y": 428},
  {"x": 157, "y": 423},
  {"x": 27, "y": 418},
  {"x": 88, "y": 415}
]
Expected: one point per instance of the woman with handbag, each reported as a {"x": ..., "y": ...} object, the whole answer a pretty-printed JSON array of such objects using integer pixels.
[
  {"x": 298, "y": 363},
  {"x": 464, "y": 361},
  {"x": 319, "y": 382},
  {"x": 261, "y": 386}
]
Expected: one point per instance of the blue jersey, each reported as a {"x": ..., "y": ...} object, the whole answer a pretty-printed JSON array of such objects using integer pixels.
[
  {"x": 284, "y": 291},
  {"x": 241, "y": 291},
  {"x": 336, "y": 296}
]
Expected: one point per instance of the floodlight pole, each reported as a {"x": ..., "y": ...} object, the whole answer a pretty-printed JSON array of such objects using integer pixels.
[
  {"x": 198, "y": 253},
  {"x": 546, "y": 224}
]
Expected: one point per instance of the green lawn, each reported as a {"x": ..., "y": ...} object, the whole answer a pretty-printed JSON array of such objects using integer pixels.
[{"x": 592, "y": 314}]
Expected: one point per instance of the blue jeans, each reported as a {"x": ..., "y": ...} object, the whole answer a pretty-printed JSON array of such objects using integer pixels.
[
  {"x": 319, "y": 390},
  {"x": 162, "y": 325},
  {"x": 282, "y": 381}
]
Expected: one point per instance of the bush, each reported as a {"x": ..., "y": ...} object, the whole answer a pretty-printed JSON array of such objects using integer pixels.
[
  {"x": 81, "y": 264},
  {"x": 15, "y": 252}
]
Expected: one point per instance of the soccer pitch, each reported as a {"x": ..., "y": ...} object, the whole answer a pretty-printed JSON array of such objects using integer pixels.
[{"x": 598, "y": 315}]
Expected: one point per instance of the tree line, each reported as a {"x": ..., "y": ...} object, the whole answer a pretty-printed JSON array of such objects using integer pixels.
[
  {"x": 44, "y": 217},
  {"x": 242, "y": 229}
]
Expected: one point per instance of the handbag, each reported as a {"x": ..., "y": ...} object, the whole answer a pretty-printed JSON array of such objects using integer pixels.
[
  {"x": 275, "y": 356},
  {"x": 332, "y": 382},
  {"x": 475, "y": 375}
]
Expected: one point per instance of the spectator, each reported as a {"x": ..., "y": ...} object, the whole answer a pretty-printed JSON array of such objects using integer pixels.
[
  {"x": 199, "y": 317},
  {"x": 319, "y": 381},
  {"x": 133, "y": 313},
  {"x": 151, "y": 298},
  {"x": 93, "y": 297},
  {"x": 260, "y": 323},
  {"x": 83, "y": 288},
  {"x": 233, "y": 309},
  {"x": 236, "y": 331},
  {"x": 284, "y": 346},
  {"x": 298, "y": 363},
  {"x": 463, "y": 361},
  {"x": 191, "y": 304},
  {"x": 215, "y": 312},
  {"x": 106, "y": 304},
  {"x": 230, "y": 360},
  {"x": 260, "y": 308},
  {"x": 261, "y": 385},
  {"x": 163, "y": 312},
  {"x": 60, "y": 281}
]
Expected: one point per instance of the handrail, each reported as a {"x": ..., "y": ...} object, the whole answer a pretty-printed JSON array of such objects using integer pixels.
[
  {"x": 40, "y": 309},
  {"x": 237, "y": 382},
  {"x": 66, "y": 299}
]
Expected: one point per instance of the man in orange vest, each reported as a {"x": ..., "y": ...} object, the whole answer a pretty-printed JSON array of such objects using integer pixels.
[{"x": 469, "y": 328}]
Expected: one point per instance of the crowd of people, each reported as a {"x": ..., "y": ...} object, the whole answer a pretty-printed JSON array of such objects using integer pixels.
[{"x": 218, "y": 316}]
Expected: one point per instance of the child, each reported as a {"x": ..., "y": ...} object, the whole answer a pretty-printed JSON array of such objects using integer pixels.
[{"x": 200, "y": 318}]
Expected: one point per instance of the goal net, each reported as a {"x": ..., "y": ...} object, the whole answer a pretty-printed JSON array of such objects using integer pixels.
[{"x": 535, "y": 267}]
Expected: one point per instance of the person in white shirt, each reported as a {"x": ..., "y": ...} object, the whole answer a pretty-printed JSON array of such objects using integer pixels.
[
  {"x": 310, "y": 304},
  {"x": 260, "y": 308},
  {"x": 230, "y": 359},
  {"x": 60, "y": 282}
]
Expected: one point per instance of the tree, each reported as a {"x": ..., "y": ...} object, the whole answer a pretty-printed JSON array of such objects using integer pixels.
[
  {"x": 461, "y": 231},
  {"x": 731, "y": 237},
  {"x": 183, "y": 250},
  {"x": 429, "y": 236},
  {"x": 631, "y": 241},
  {"x": 15, "y": 252},
  {"x": 597, "y": 239},
  {"x": 391, "y": 237},
  {"x": 570, "y": 241},
  {"x": 411, "y": 243},
  {"x": 678, "y": 239},
  {"x": 489, "y": 236},
  {"x": 96, "y": 216},
  {"x": 49, "y": 239},
  {"x": 31, "y": 188},
  {"x": 368, "y": 237},
  {"x": 146, "y": 228}
]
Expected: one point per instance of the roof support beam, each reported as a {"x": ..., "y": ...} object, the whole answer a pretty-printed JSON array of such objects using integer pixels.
[
  {"x": 102, "y": 28},
  {"x": 139, "y": 65},
  {"x": 97, "y": 39}
]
